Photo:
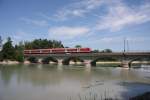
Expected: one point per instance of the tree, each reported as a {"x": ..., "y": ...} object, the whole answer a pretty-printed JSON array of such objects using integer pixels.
[
  {"x": 1, "y": 56},
  {"x": 43, "y": 44},
  {"x": 8, "y": 50},
  {"x": 33, "y": 60},
  {"x": 78, "y": 46},
  {"x": 0, "y": 43},
  {"x": 106, "y": 51},
  {"x": 19, "y": 52},
  {"x": 95, "y": 51}
]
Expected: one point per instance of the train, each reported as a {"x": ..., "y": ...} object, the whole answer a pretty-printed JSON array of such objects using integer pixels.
[{"x": 57, "y": 50}]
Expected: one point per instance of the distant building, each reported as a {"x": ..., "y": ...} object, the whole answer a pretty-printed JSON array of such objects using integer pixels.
[{"x": 1, "y": 43}]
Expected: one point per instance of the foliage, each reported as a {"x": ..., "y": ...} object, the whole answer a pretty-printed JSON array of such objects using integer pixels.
[
  {"x": 32, "y": 59},
  {"x": 103, "y": 51},
  {"x": 106, "y": 51},
  {"x": 8, "y": 51},
  {"x": 78, "y": 46},
  {"x": 0, "y": 42},
  {"x": 43, "y": 44},
  {"x": 1, "y": 56},
  {"x": 19, "y": 52},
  {"x": 95, "y": 51},
  {"x": 144, "y": 96}
]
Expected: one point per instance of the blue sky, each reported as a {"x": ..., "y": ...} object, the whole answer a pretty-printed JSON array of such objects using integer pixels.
[{"x": 97, "y": 24}]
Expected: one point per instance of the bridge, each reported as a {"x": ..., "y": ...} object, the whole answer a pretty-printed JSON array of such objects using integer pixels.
[{"x": 90, "y": 59}]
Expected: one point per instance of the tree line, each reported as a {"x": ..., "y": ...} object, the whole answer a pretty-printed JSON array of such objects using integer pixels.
[
  {"x": 43, "y": 44},
  {"x": 15, "y": 53},
  {"x": 102, "y": 51}
]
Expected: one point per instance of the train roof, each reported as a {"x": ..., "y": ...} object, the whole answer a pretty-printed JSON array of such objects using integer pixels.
[{"x": 54, "y": 48}]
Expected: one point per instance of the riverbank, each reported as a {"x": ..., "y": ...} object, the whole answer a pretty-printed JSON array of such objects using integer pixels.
[
  {"x": 145, "y": 96},
  {"x": 9, "y": 62},
  {"x": 71, "y": 62},
  {"x": 119, "y": 62}
]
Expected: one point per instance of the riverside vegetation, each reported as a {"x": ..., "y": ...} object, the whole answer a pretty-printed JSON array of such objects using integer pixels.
[
  {"x": 12, "y": 52},
  {"x": 15, "y": 53}
]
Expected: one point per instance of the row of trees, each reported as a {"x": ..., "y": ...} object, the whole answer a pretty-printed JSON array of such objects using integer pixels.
[
  {"x": 96, "y": 51},
  {"x": 10, "y": 52},
  {"x": 103, "y": 51},
  {"x": 43, "y": 43}
]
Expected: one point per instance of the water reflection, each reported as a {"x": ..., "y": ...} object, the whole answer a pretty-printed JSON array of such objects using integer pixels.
[{"x": 52, "y": 82}]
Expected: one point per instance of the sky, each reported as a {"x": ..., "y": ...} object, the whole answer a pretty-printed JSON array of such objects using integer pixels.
[{"x": 98, "y": 24}]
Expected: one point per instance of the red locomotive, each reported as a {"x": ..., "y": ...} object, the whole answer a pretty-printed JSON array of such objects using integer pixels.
[{"x": 57, "y": 50}]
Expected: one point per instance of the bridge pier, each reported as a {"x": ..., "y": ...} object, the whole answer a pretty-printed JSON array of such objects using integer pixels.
[
  {"x": 87, "y": 63},
  {"x": 125, "y": 64},
  {"x": 60, "y": 62},
  {"x": 40, "y": 61}
]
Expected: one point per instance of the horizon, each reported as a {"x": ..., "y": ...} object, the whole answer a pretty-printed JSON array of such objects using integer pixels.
[{"x": 97, "y": 24}]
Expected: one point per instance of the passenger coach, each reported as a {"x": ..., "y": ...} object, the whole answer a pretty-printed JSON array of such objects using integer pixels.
[{"x": 57, "y": 50}]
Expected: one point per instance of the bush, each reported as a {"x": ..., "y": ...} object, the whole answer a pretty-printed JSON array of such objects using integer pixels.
[
  {"x": 20, "y": 58},
  {"x": 1, "y": 56},
  {"x": 33, "y": 60}
]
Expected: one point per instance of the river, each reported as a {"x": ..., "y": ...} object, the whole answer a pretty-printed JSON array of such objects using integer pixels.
[{"x": 52, "y": 82}]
